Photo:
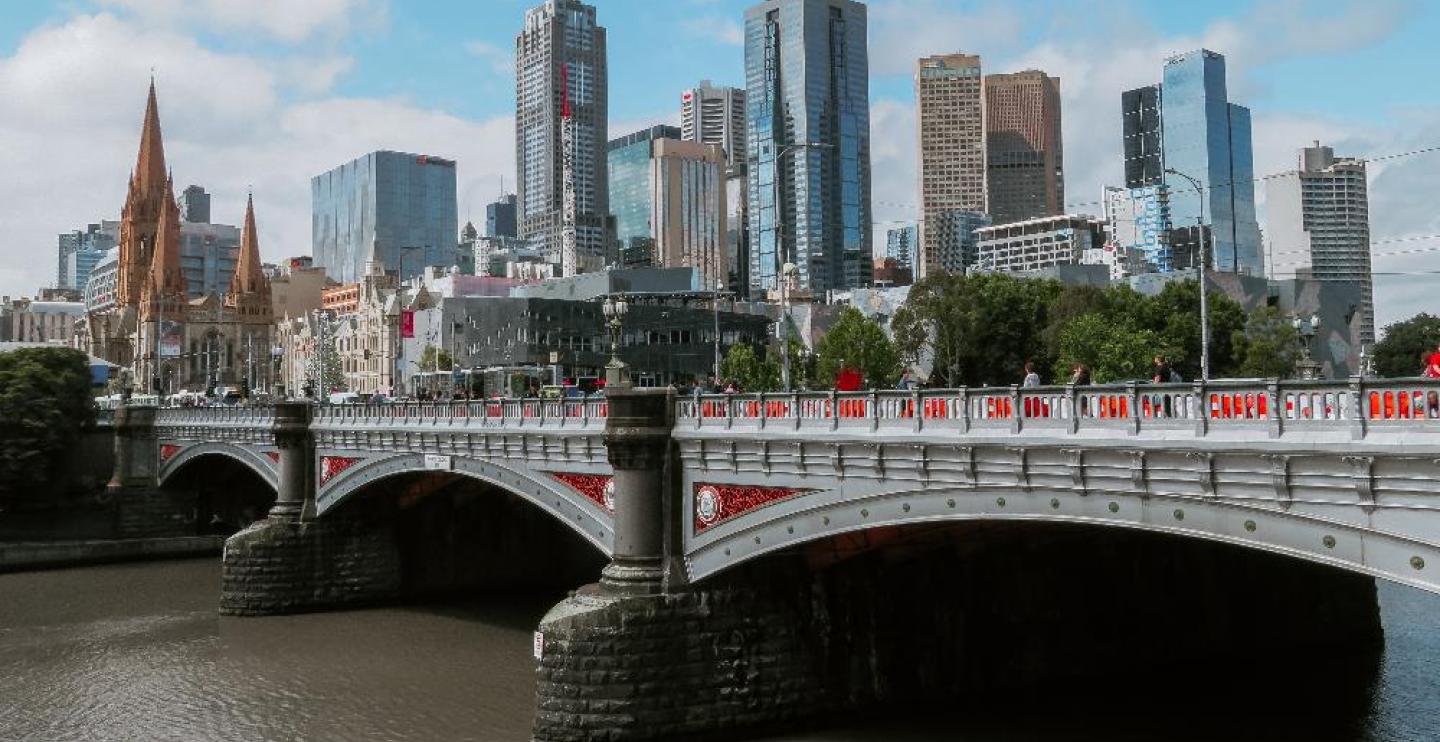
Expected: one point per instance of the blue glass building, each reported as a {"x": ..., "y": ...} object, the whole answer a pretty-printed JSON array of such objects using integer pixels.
[
  {"x": 1207, "y": 137},
  {"x": 902, "y": 244},
  {"x": 807, "y": 81},
  {"x": 631, "y": 194},
  {"x": 394, "y": 207}
]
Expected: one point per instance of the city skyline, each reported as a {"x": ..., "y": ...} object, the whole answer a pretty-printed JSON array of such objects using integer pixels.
[{"x": 274, "y": 127}]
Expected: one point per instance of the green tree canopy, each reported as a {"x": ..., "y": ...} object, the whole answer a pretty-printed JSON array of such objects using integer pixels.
[
  {"x": 1268, "y": 347},
  {"x": 435, "y": 358},
  {"x": 1113, "y": 351},
  {"x": 976, "y": 329},
  {"x": 1405, "y": 345},
  {"x": 45, "y": 403},
  {"x": 859, "y": 342},
  {"x": 745, "y": 367}
]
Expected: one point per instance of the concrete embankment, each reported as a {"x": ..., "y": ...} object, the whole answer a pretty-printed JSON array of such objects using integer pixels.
[{"x": 28, "y": 555}]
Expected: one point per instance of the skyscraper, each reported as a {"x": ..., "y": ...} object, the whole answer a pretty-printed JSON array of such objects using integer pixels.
[
  {"x": 632, "y": 192},
  {"x": 195, "y": 205},
  {"x": 807, "y": 129},
  {"x": 1024, "y": 159},
  {"x": 1140, "y": 119},
  {"x": 1206, "y": 137},
  {"x": 901, "y": 245},
  {"x": 560, "y": 134},
  {"x": 688, "y": 208},
  {"x": 394, "y": 207},
  {"x": 78, "y": 252},
  {"x": 949, "y": 100},
  {"x": 1319, "y": 222},
  {"x": 500, "y": 217},
  {"x": 716, "y": 115}
]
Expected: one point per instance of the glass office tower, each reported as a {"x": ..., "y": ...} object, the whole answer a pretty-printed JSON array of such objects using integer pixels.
[
  {"x": 1208, "y": 138},
  {"x": 807, "y": 82},
  {"x": 628, "y": 166},
  {"x": 394, "y": 207}
]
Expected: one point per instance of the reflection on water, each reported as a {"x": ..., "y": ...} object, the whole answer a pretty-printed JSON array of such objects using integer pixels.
[{"x": 137, "y": 652}]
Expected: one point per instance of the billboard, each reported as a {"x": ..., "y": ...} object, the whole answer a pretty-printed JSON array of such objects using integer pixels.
[
  {"x": 407, "y": 323},
  {"x": 171, "y": 339}
]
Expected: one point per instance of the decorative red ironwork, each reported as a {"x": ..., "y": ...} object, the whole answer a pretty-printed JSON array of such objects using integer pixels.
[
  {"x": 717, "y": 503},
  {"x": 168, "y": 451},
  {"x": 274, "y": 457},
  {"x": 597, "y": 488},
  {"x": 330, "y": 466}
]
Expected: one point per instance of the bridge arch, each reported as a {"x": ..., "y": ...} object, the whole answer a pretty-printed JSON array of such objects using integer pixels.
[
  {"x": 585, "y": 518},
  {"x": 254, "y": 460},
  {"x": 1288, "y": 532}
]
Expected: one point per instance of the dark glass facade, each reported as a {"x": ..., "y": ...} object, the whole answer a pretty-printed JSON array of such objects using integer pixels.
[
  {"x": 807, "y": 81},
  {"x": 1140, "y": 113},
  {"x": 394, "y": 207},
  {"x": 500, "y": 217}
]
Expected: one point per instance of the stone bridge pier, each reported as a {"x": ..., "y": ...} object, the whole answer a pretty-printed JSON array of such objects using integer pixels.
[{"x": 292, "y": 561}]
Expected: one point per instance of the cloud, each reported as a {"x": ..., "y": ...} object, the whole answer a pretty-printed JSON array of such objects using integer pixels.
[
  {"x": 722, "y": 29},
  {"x": 902, "y": 31},
  {"x": 290, "y": 21},
  {"x": 501, "y": 61},
  {"x": 74, "y": 98}
]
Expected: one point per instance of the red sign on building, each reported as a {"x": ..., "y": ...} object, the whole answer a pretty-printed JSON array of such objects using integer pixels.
[{"x": 407, "y": 323}]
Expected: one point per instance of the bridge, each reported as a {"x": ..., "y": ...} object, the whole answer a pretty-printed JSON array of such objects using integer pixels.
[{"x": 679, "y": 495}]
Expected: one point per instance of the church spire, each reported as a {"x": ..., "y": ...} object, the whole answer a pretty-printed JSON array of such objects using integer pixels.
[
  {"x": 249, "y": 277},
  {"x": 166, "y": 280},
  {"x": 150, "y": 170}
]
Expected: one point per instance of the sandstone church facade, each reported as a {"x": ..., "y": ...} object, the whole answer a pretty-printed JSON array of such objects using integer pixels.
[{"x": 169, "y": 341}]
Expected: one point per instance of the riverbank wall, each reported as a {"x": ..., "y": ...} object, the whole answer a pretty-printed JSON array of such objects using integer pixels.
[{"x": 35, "y": 555}]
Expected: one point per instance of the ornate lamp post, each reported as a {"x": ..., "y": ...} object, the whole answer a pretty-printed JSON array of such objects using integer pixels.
[
  {"x": 616, "y": 374},
  {"x": 1306, "y": 368}
]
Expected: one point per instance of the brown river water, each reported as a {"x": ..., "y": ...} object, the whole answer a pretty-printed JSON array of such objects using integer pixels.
[{"x": 137, "y": 652}]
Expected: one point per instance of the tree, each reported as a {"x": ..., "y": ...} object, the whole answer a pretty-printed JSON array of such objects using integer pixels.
[
  {"x": 858, "y": 342},
  {"x": 744, "y": 367},
  {"x": 1268, "y": 347},
  {"x": 325, "y": 358},
  {"x": 1174, "y": 314},
  {"x": 1405, "y": 345},
  {"x": 1112, "y": 350},
  {"x": 435, "y": 358},
  {"x": 45, "y": 401},
  {"x": 975, "y": 330}
]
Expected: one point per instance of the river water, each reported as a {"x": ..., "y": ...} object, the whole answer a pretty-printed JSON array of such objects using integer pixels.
[{"x": 137, "y": 652}]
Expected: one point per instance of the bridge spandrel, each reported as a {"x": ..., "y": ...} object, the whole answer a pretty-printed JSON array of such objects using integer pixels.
[{"x": 1324, "y": 471}]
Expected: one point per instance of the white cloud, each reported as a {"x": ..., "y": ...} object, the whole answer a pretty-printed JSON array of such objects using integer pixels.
[
  {"x": 722, "y": 29},
  {"x": 902, "y": 31},
  {"x": 501, "y": 61},
  {"x": 74, "y": 98},
  {"x": 290, "y": 21}
]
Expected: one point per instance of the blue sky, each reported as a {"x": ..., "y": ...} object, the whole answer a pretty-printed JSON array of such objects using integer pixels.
[{"x": 266, "y": 93}]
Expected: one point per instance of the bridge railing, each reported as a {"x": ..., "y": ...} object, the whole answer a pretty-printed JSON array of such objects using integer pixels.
[
  {"x": 250, "y": 416},
  {"x": 1357, "y": 403},
  {"x": 491, "y": 412}
]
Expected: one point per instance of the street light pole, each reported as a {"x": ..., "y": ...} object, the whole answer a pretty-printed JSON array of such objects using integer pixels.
[
  {"x": 785, "y": 272},
  {"x": 1200, "y": 271},
  {"x": 715, "y": 304}
]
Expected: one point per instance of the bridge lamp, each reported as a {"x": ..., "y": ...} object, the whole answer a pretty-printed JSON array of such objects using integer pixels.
[{"x": 615, "y": 308}]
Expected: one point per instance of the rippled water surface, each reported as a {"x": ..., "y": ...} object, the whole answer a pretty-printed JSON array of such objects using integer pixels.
[{"x": 136, "y": 652}]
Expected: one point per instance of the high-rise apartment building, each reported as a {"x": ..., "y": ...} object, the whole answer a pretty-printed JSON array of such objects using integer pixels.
[
  {"x": 500, "y": 217},
  {"x": 194, "y": 205},
  {"x": 560, "y": 134},
  {"x": 688, "y": 208},
  {"x": 1207, "y": 137},
  {"x": 632, "y": 192},
  {"x": 902, "y": 244},
  {"x": 79, "y": 251},
  {"x": 1319, "y": 224},
  {"x": 393, "y": 207},
  {"x": 1024, "y": 158},
  {"x": 1138, "y": 219},
  {"x": 807, "y": 130},
  {"x": 716, "y": 115},
  {"x": 950, "y": 114}
]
